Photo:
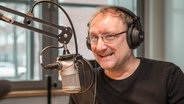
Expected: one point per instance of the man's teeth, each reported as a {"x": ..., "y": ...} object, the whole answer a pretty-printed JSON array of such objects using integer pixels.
[{"x": 106, "y": 55}]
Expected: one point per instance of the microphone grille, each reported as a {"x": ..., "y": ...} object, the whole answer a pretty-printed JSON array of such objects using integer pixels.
[{"x": 70, "y": 80}]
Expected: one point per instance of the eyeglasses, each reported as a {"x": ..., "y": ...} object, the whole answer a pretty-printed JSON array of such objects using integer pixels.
[{"x": 107, "y": 38}]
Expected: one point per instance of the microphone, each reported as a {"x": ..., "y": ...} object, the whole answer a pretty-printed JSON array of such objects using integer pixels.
[
  {"x": 77, "y": 73},
  {"x": 5, "y": 88},
  {"x": 5, "y": 18}
]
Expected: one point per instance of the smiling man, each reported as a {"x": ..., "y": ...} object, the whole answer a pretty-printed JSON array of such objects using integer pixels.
[
  {"x": 123, "y": 78},
  {"x": 109, "y": 45}
]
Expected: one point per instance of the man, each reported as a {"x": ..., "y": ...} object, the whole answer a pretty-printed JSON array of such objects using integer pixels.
[{"x": 123, "y": 78}]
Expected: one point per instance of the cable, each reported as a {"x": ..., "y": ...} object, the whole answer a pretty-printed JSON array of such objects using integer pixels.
[
  {"x": 43, "y": 50},
  {"x": 92, "y": 75},
  {"x": 95, "y": 83},
  {"x": 75, "y": 38}
]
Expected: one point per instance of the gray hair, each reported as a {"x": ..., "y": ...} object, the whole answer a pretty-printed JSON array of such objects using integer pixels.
[{"x": 126, "y": 19}]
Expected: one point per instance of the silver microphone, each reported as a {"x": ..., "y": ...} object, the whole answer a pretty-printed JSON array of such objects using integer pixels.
[
  {"x": 76, "y": 73},
  {"x": 70, "y": 77}
]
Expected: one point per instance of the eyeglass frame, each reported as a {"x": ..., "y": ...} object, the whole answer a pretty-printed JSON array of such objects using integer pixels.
[{"x": 104, "y": 37}]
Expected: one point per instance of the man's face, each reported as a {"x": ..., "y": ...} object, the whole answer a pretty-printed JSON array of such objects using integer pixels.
[{"x": 110, "y": 55}]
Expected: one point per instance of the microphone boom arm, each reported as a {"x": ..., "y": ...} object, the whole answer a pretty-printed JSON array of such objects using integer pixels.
[
  {"x": 63, "y": 38},
  {"x": 32, "y": 28},
  {"x": 31, "y": 17}
]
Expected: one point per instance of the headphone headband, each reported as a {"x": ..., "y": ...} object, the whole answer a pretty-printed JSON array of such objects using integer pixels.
[{"x": 135, "y": 34}]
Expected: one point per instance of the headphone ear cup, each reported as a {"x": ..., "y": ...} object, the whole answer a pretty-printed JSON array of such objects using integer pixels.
[
  {"x": 129, "y": 36},
  {"x": 137, "y": 37},
  {"x": 88, "y": 44},
  {"x": 134, "y": 37}
]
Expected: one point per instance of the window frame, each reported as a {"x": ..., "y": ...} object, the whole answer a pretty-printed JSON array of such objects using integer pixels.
[{"x": 51, "y": 57}]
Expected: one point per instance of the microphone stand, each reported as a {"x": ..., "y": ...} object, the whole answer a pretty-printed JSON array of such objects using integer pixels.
[
  {"x": 49, "y": 89},
  {"x": 64, "y": 37}
]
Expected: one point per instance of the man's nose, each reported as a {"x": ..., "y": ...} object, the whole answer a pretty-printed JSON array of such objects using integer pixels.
[{"x": 100, "y": 44}]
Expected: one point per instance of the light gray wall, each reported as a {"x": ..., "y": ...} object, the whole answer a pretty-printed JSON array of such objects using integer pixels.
[
  {"x": 174, "y": 31},
  {"x": 154, "y": 29},
  {"x": 164, "y": 30}
]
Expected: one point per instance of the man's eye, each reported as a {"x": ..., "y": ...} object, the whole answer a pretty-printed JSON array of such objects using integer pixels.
[
  {"x": 109, "y": 36},
  {"x": 94, "y": 37}
]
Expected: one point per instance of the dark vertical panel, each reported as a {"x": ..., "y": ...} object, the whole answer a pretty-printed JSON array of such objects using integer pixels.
[{"x": 140, "y": 13}]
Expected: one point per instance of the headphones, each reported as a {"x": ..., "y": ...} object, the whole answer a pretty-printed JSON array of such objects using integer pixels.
[{"x": 135, "y": 33}]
